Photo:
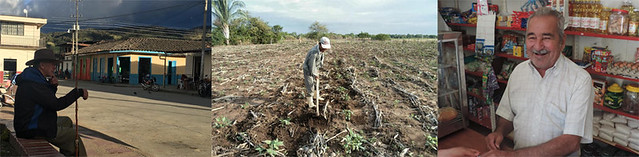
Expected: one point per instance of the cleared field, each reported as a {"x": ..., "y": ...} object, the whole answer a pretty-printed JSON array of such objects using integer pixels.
[{"x": 383, "y": 91}]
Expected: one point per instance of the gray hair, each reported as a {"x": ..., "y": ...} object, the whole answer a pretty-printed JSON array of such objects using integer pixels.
[{"x": 547, "y": 11}]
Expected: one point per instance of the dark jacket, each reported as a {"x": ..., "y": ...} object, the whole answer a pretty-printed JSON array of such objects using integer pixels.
[{"x": 36, "y": 105}]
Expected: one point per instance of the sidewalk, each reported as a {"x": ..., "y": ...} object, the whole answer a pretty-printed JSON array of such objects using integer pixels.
[
  {"x": 96, "y": 143},
  {"x": 167, "y": 88}
]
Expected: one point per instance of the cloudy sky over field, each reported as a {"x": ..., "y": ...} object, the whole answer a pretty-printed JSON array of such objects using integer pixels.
[{"x": 350, "y": 16}]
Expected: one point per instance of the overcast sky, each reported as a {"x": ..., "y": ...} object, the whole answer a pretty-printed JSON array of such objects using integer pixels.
[
  {"x": 340, "y": 16},
  {"x": 349, "y": 16}
]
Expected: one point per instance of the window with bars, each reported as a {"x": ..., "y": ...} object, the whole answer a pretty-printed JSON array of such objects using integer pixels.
[{"x": 12, "y": 28}]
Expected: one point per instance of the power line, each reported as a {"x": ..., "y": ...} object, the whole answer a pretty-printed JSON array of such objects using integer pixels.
[{"x": 134, "y": 13}]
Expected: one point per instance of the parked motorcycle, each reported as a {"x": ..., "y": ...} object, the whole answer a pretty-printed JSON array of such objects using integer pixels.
[
  {"x": 204, "y": 87},
  {"x": 150, "y": 85}
]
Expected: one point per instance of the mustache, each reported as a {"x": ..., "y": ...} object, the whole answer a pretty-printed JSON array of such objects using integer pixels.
[{"x": 540, "y": 52}]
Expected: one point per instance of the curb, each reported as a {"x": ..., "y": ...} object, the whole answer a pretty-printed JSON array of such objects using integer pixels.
[{"x": 185, "y": 92}]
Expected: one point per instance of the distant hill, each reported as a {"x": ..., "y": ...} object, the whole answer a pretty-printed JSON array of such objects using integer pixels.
[{"x": 92, "y": 35}]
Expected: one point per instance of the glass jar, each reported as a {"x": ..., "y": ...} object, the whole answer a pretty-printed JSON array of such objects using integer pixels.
[
  {"x": 614, "y": 96},
  {"x": 618, "y": 22},
  {"x": 631, "y": 99}
]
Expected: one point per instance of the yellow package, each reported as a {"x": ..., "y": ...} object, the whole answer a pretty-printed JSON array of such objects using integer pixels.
[{"x": 517, "y": 51}]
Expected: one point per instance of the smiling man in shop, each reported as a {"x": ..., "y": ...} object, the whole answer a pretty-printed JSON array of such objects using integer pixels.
[{"x": 548, "y": 100}]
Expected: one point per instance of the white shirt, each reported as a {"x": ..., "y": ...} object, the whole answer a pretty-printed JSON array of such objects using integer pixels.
[{"x": 544, "y": 108}]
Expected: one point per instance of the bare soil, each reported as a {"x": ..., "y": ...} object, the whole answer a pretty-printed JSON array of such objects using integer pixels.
[{"x": 387, "y": 85}]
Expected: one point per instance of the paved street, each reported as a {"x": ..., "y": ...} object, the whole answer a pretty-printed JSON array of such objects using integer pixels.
[{"x": 155, "y": 124}]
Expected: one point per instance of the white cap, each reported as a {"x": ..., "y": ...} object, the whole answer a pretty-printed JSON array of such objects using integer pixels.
[{"x": 325, "y": 43}]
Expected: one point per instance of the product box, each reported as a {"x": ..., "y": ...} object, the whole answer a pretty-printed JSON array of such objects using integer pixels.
[
  {"x": 517, "y": 51},
  {"x": 600, "y": 90}
]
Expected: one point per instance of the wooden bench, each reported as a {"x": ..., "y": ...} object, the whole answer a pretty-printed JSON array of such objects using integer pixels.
[{"x": 32, "y": 147}]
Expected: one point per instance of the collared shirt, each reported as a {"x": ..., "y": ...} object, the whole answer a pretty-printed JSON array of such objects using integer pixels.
[{"x": 542, "y": 108}]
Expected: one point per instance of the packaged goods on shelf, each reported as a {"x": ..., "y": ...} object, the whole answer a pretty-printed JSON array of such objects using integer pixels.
[
  {"x": 619, "y": 119},
  {"x": 614, "y": 96},
  {"x": 633, "y": 140},
  {"x": 605, "y": 135},
  {"x": 626, "y": 69},
  {"x": 631, "y": 100},
  {"x": 609, "y": 116},
  {"x": 618, "y": 24},
  {"x": 607, "y": 129},
  {"x": 633, "y": 124},
  {"x": 518, "y": 16},
  {"x": 600, "y": 89},
  {"x": 600, "y": 58},
  {"x": 621, "y": 141},
  {"x": 633, "y": 146},
  {"x": 634, "y": 23},
  {"x": 506, "y": 70},
  {"x": 622, "y": 128},
  {"x": 634, "y": 133}
]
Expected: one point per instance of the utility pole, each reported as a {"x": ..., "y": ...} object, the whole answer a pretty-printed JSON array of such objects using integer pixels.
[
  {"x": 76, "y": 28},
  {"x": 206, "y": 4}
]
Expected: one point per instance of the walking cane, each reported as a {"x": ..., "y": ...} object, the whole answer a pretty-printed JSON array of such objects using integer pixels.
[{"x": 317, "y": 97}]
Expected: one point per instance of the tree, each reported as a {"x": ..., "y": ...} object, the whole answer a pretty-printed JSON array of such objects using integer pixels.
[
  {"x": 381, "y": 37},
  {"x": 277, "y": 29},
  {"x": 224, "y": 12},
  {"x": 317, "y": 30},
  {"x": 363, "y": 35}
]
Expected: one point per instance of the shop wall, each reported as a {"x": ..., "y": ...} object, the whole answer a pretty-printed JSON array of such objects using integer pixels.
[
  {"x": 99, "y": 66},
  {"x": 157, "y": 67}
]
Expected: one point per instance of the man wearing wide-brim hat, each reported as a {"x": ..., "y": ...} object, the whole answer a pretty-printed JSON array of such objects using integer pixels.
[{"x": 36, "y": 105}]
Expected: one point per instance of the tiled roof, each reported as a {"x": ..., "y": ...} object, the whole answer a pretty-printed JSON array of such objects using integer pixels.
[{"x": 145, "y": 44}]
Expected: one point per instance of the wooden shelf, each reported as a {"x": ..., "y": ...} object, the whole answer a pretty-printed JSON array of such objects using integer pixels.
[
  {"x": 505, "y": 55},
  {"x": 616, "y": 145},
  {"x": 589, "y": 34},
  {"x": 616, "y": 111}
]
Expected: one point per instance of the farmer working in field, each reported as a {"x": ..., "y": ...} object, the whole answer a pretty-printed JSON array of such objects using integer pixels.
[{"x": 312, "y": 63}]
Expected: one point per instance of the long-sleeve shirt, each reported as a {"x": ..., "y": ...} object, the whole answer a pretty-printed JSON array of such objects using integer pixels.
[{"x": 314, "y": 60}]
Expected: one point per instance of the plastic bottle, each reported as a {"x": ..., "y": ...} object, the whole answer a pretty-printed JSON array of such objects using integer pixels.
[
  {"x": 594, "y": 21},
  {"x": 634, "y": 23},
  {"x": 603, "y": 20},
  {"x": 578, "y": 20},
  {"x": 627, "y": 5},
  {"x": 571, "y": 14}
]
